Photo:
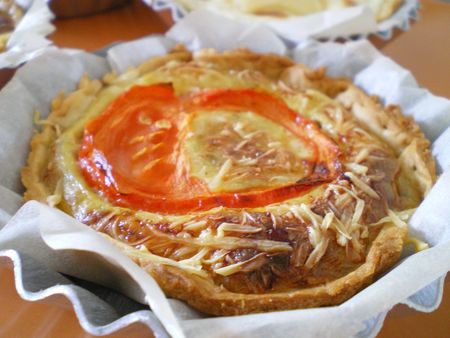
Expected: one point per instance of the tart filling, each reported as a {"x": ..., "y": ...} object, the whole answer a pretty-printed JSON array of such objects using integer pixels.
[
  {"x": 242, "y": 182},
  {"x": 276, "y": 9}
]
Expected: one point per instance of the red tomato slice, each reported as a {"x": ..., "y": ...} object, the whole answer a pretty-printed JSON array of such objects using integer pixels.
[{"x": 131, "y": 153}]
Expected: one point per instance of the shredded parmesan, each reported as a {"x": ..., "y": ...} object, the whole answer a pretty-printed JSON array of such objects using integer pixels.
[
  {"x": 216, "y": 256},
  {"x": 153, "y": 134},
  {"x": 196, "y": 259},
  {"x": 357, "y": 168},
  {"x": 56, "y": 198},
  {"x": 253, "y": 134},
  {"x": 295, "y": 212},
  {"x": 234, "y": 268},
  {"x": 145, "y": 120},
  {"x": 316, "y": 219},
  {"x": 241, "y": 144},
  {"x": 232, "y": 227},
  {"x": 151, "y": 164},
  {"x": 362, "y": 155},
  {"x": 156, "y": 146},
  {"x": 193, "y": 226},
  {"x": 361, "y": 185},
  {"x": 359, "y": 209},
  {"x": 136, "y": 139},
  {"x": 274, "y": 220},
  {"x": 248, "y": 161},
  {"x": 188, "y": 265},
  {"x": 139, "y": 153},
  {"x": 231, "y": 243},
  {"x": 317, "y": 253},
  {"x": 396, "y": 220},
  {"x": 339, "y": 226},
  {"x": 163, "y": 124},
  {"x": 327, "y": 221},
  {"x": 217, "y": 180},
  {"x": 238, "y": 128},
  {"x": 399, "y": 219}
]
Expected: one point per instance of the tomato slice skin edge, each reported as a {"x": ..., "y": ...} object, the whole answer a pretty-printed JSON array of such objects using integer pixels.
[{"x": 158, "y": 189}]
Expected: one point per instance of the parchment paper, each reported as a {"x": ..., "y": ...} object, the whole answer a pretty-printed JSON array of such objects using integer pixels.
[
  {"x": 357, "y": 21},
  {"x": 29, "y": 38},
  {"x": 37, "y": 228}
]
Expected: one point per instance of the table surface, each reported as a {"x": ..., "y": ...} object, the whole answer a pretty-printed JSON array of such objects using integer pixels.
[{"x": 424, "y": 49}]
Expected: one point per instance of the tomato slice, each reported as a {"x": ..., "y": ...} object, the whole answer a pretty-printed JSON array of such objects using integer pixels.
[{"x": 133, "y": 152}]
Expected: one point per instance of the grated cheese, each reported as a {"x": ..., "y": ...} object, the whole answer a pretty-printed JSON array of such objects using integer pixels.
[
  {"x": 317, "y": 253},
  {"x": 232, "y": 227},
  {"x": 398, "y": 218},
  {"x": 362, "y": 155},
  {"x": 274, "y": 220},
  {"x": 216, "y": 256},
  {"x": 145, "y": 120},
  {"x": 195, "y": 225},
  {"x": 357, "y": 168},
  {"x": 56, "y": 198},
  {"x": 223, "y": 171},
  {"x": 151, "y": 164},
  {"x": 136, "y": 139},
  {"x": 231, "y": 243},
  {"x": 359, "y": 209},
  {"x": 234, "y": 268},
  {"x": 163, "y": 124},
  {"x": 241, "y": 144},
  {"x": 361, "y": 185},
  {"x": 145, "y": 255},
  {"x": 139, "y": 153},
  {"x": 248, "y": 161}
]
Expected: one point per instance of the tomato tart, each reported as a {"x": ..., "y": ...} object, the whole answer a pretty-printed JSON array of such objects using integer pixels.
[
  {"x": 279, "y": 9},
  {"x": 241, "y": 182}
]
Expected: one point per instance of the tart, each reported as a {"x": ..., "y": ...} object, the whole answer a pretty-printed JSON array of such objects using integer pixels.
[
  {"x": 10, "y": 16},
  {"x": 275, "y": 9},
  {"x": 241, "y": 182}
]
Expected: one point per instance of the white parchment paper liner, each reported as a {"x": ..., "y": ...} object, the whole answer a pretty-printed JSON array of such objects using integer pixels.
[
  {"x": 36, "y": 227},
  {"x": 355, "y": 22},
  {"x": 29, "y": 38}
]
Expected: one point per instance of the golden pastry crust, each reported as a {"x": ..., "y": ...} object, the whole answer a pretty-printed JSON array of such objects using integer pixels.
[{"x": 314, "y": 250}]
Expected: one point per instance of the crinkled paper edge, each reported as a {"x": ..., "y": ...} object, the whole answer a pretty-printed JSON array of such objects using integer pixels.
[
  {"x": 401, "y": 19},
  {"x": 84, "y": 303},
  {"x": 25, "y": 269}
]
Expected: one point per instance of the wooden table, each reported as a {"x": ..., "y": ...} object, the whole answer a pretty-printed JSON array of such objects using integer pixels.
[{"x": 424, "y": 49}]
